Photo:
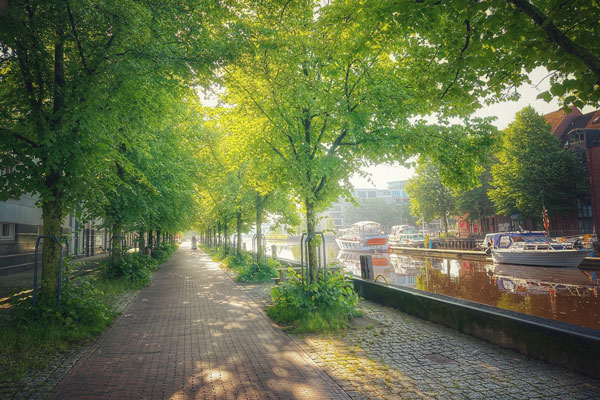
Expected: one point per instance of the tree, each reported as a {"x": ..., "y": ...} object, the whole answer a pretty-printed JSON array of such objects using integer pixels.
[
  {"x": 429, "y": 197},
  {"x": 483, "y": 49},
  {"x": 330, "y": 96},
  {"x": 65, "y": 68},
  {"x": 476, "y": 201},
  {"x": 378, "y": 210},
  {"x": 534, "y": 170},
  {"x": 254, "y": 187}
]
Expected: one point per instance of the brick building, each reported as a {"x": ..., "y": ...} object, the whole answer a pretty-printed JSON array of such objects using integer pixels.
[{"x": 580, "y": 133}]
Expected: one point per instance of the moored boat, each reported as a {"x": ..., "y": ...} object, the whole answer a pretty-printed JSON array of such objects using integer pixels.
[
  {"x": 534, "y": 248},
  {"x": 363, "y": 236},
  {"x": 406, "y": 236}
]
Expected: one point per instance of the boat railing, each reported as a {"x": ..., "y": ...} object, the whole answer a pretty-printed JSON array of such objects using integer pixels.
[{"x": 544, "y": 246}]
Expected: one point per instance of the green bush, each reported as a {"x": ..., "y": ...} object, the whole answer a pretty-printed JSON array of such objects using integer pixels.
[
  {"x": 163, "y": 251},
  {"x": 259, "y": 272},
  {"x": 318, "y": 307},
  {"x": 238, "y": 261},
  {"x": 134, "y": 267}
]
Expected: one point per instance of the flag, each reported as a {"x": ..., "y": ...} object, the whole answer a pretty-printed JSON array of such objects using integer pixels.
[{"x": 546, "y": 221}]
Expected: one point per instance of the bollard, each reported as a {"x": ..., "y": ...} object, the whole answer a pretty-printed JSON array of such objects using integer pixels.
[
  {"x": 366, "y": 267},
  {"x": 274, "y": 251}
]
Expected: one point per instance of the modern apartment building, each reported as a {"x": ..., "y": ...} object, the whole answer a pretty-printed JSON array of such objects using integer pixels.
[{"x": 395, "y": 193}]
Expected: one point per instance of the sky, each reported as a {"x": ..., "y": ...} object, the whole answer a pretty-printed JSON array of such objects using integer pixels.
[{"x": 505, "y": 112}]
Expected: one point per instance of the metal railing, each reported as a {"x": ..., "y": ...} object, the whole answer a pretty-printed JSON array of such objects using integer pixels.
[{"x": 321, "y": 253}]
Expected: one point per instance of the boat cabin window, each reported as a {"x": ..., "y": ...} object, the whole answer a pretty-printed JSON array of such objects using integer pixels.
[
  {"x": 542, "y": 239},
  {"x": 505, "y": 241}
]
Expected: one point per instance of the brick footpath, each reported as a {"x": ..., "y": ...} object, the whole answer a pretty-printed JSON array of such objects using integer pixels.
[{"x": 193, "y": 334}]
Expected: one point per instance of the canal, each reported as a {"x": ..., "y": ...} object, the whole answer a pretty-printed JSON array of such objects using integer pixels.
[{"x": 563, "y": 294}]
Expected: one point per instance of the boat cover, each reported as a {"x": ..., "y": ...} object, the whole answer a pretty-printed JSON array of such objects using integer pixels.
[{"x": 496, "y": 238}]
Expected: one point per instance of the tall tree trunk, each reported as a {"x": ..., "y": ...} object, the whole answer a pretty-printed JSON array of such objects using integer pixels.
[
  {"x": 445, "y": 221},
  {"x": 312, "y": 247},
  {"x": 226, "y": 235},
  {"x": 158, "y": 237},
  {"x": 214, "y": 231},
  {"x": 52, "y": 216},
  {"x": 218, "y": 233},
  {"x": 150, "y": 238},
  {"x": 238, "y": 226},
  {"x": 259, "y": 244},
  {"x": 116, "y": 233},
  {"x": 52, "y": 212},
  {"x": 141, "y": 243}
]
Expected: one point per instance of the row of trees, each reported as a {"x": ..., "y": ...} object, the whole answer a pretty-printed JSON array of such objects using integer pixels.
[
  {"x": 98, "y": 110},
  {"x": 530, "y": 171}
]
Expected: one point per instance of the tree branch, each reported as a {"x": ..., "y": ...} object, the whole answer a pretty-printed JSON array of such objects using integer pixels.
[
  {"x": 320, "y": 137},
  {"x": 279, "y": 153},
  {"x": 320, "y": 186},
  {"x": 336, "y": 143},
  {"x": 79, "y": 46},
  {"x": 283, "y": 10},
  {"x": 460, "y": 57},
  {"x": 20, "y": 137},
  {"x": 555, "y": 35}
]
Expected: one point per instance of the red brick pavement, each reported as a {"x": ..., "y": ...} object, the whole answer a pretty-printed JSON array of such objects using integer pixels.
[{"x": 193, "y": 334}]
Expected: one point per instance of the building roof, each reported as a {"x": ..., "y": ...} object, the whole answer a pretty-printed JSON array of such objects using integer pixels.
[
  {"x": 563, "y": 123},
  {"x": 559, "y": 119},
  {"x": 594, "y": 122}
]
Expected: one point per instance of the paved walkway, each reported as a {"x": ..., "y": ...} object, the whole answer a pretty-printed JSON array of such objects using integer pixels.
[
  {"x": 391, "y": 355},
  {"x": 193, "y": 334}
]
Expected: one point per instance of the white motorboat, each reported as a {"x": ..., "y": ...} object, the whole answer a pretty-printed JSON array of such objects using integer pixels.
[
  {"x": 406, "y": 236},
  {"x": 363, "y": 236},
  {"x": 534, "y": 248}
]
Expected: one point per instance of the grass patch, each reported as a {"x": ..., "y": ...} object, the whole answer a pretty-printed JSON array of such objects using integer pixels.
[
  {"x": 243, "y": 266},
  {"x": 328, "y": 319}
]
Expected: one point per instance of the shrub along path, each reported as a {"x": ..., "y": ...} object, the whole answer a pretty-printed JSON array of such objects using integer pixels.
[{"x": 194, "y": 334}]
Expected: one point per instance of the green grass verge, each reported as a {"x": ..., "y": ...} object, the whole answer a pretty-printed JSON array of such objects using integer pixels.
[
  {"x": 326, "y": 319},
  {"x": 242, "y": 264}
]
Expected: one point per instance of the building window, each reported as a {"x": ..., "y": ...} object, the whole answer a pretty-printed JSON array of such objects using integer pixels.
[{"x": 7, "y": 231}]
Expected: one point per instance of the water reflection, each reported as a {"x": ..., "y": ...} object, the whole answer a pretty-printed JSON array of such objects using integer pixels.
[
  {"x": 563, "y": 294},
  {"x": 291, "y": 250}
]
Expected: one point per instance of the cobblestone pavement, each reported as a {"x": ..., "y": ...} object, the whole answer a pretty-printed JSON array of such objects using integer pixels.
[
  {"x": 194, "y": 334},
  {"x": 391, "y": 355}
]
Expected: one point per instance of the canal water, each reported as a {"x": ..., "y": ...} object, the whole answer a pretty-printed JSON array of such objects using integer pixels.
[{"x": 569, "y": 295}]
